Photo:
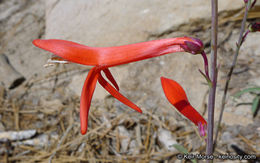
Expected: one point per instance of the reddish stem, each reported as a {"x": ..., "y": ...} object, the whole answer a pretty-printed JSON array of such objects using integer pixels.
[
  {"x": 212, "y": 91},
  {"x": 206, "y": 64}
]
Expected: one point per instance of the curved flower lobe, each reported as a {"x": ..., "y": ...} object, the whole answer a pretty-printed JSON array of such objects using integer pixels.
[
  {"x": 94, "y": 75},
  {"x": 116, "y": 94},
  {"x": 111, "y": 78},
  {"x": 70, "y": 51},
  {"x": 86, "y": 96}
]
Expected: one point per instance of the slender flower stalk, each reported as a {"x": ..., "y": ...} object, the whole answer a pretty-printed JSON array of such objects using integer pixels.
[
  {"x": 213, "y": 76},
  {"x": 104, "y": 57},
  {"x": 239, "y": 43},
  {"x": 206, "y": 65}
]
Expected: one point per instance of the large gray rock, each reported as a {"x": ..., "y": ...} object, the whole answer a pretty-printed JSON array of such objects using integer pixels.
[
  {"x": 117, "y": 22},
  {"x": 22, "y": 22}
]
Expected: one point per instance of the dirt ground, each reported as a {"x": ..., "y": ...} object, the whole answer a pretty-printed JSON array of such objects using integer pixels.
[{"x": 47, "y": 115}]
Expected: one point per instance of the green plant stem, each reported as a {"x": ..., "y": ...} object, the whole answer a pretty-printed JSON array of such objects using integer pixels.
[
  {"x": 213, "y": 76},
  {"x": 239, "y": 43}
]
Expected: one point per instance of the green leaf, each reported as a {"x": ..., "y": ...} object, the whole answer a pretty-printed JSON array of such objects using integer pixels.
[
  {"x": 255, "y": 89},
  {"x": 255, "y": 105},
  {"x": 181, "y": 149}
]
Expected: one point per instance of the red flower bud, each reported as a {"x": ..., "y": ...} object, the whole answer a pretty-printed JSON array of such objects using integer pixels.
[{"x": 254, "y": 27}]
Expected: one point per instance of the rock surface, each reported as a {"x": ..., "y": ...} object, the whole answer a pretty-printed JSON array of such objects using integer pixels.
[
  {"x": 115, "y": 22},
  {"x": 24, "y": 22}
]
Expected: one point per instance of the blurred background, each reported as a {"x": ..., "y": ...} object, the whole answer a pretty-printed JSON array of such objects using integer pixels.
[{"x": 39, "y": 106}]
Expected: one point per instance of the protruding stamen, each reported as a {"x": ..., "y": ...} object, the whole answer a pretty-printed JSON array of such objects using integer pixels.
[{"x": 202, "y": 129}]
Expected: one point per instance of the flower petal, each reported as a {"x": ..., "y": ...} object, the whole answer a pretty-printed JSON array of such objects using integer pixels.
[
  {"x": 117, "y": 94},
  {"x": 70, "y": 51},
  {"x": 86, "y": 96},
  {"x": 177, "y": 97},
  {"x": 110, "y": 78},
  {"x": 118, "y": 55},
  {"x": 173, "y": 91}
]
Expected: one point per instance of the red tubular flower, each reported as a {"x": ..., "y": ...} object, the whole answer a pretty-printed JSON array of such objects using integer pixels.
[
  {"x": 177, "y": 97},
  {"x": 104, "y": 57}
]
